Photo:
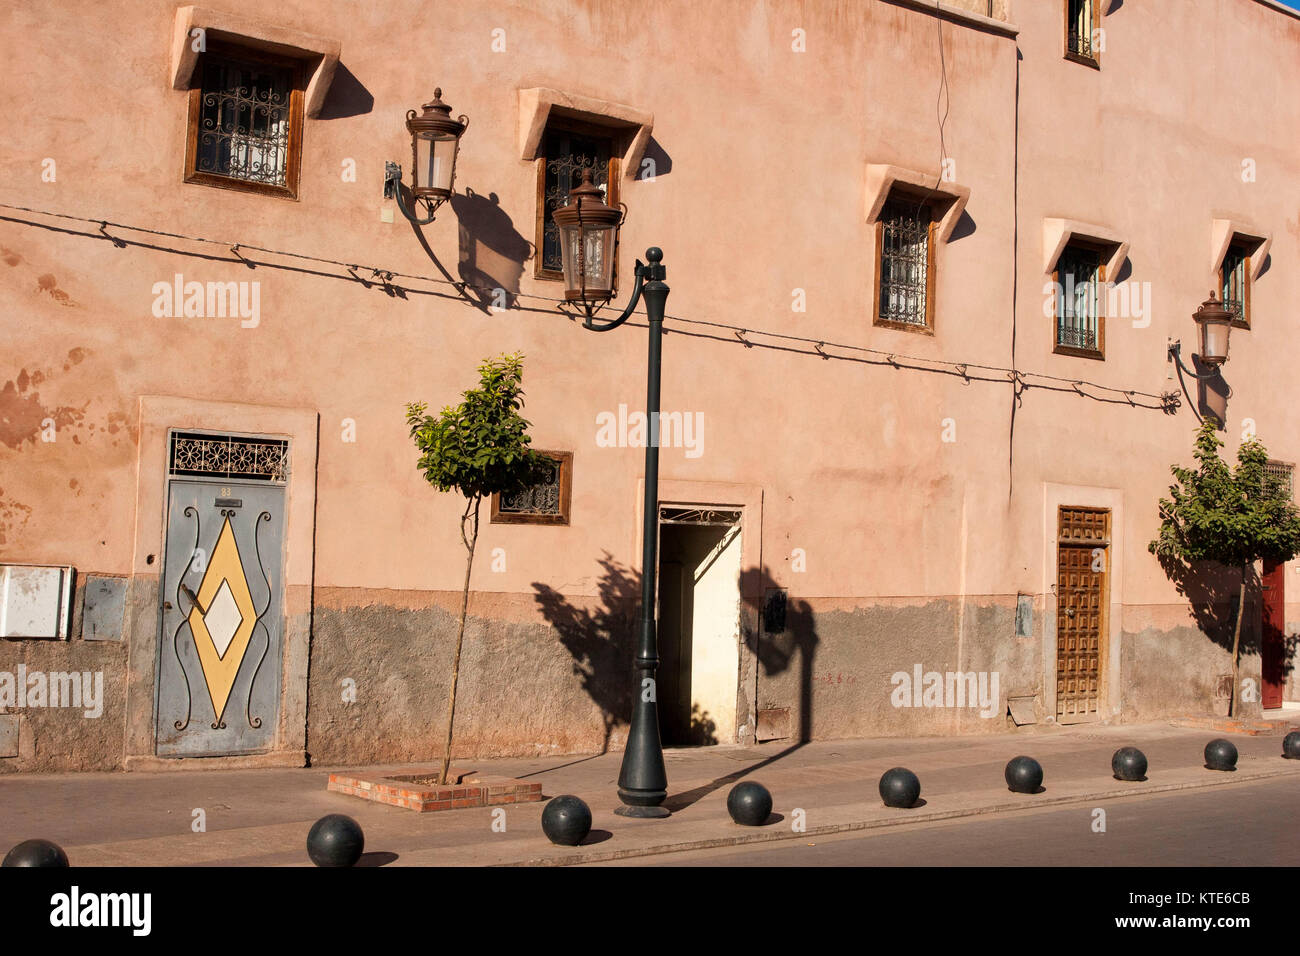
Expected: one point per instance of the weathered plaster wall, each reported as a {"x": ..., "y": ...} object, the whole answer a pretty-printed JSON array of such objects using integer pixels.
[{"x": 914, "y": 546}]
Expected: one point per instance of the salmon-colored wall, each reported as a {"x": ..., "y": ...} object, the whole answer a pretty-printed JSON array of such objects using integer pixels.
[{"x": 765, "y": 196}]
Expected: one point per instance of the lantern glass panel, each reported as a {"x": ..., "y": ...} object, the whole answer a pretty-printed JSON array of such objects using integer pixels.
[
  {"x": 1214, "y": 341},
  {"x": 593, "y": 246},
  {"x": 441, "y": 163}
]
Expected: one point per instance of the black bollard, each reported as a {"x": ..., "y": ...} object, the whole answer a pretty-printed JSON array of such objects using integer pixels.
[
  {"x": 41, "y": 853},
  {"x": 1220, "y": 754},
  {"x": 1291, "y": 745},
  {"x": 1024, "y": 775},
  {"x": 335, "y": 840},
  {"x": 900, "y": 788},
  {"x": 749, "y": 803},
  {"x": 1129, "y": 763},
  {"x": 566, "y": 821}
]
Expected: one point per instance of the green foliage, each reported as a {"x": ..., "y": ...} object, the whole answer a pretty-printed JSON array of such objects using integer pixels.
[
  {"x": 481, "y": 446},
  {"x": 1231, "y": 516}
]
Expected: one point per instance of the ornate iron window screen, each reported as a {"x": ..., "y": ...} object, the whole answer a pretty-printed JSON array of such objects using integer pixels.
[
  {"x": 1284, "y": 473},
  {"x": 200, "y": 455},
  {"x": 717, "y": 517},
  {"x": 244, "y": 115},
  {"x": 539, "y": 499},
  {"x": 567, "y": 155},
  {"x": 1078, "y": 33},
  {"x": 1078, "y": 298},
  {"x": 1233, "y": 282},
  {"x": 904, "y": 262}
]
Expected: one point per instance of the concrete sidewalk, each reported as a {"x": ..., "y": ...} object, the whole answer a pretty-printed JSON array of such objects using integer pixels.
[{"x": 261, "y": 817}]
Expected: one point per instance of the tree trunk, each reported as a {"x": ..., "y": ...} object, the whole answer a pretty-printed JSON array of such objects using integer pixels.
[
  {"x": 1234, "y": 699},
  {"x": 470, "y": 540}
]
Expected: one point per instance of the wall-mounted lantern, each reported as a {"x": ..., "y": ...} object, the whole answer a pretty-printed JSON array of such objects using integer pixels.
[
  {"x": 435, "y": 143},
  {"x": 588, "y": 237},
  {"x": 1214, "y": 323}
]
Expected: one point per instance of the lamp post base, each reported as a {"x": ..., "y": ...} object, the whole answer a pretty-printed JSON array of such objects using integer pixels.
[{"x": 645, "y": 813}]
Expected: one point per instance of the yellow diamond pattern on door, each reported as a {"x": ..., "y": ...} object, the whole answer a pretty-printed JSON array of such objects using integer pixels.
[{"x": 224, "y": 602}]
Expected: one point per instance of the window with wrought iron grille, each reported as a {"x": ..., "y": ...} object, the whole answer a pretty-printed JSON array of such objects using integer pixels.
[
  {"x": 207, "y": 455},
  {"x": 568, "y": 149},
  {"x": 905, "y": 264},
  {"x": 245, "y": 123},
  {"x": 1082, "y": 21},
  {"x": 1080, "y": 292},
  {"x": 1234, "y": 282},
  {"x": 1284, "y": 473},
  {"x": 546, "y": 502}
]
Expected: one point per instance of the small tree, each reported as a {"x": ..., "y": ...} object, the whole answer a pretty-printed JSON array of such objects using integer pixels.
[
  {"x": 478, "y": 448},
  {"x": 1233, "y": 517}
]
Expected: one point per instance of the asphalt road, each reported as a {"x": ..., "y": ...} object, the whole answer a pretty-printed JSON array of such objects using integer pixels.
[{"x": 1255, "y": 824}]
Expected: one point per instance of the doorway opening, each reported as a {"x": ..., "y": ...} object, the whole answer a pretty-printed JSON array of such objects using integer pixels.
[
  {"x": 1082, "y": 571},
  {"x": 699, "y": 624}
]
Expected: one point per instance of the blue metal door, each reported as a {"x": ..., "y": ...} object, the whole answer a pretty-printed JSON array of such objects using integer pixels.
[{"x": 218, "y": 688}]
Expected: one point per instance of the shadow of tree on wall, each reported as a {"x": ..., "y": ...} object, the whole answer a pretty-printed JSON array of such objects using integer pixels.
[
  {"x": 1212, "y": 592},
  {"x": 600, "y": 640}
]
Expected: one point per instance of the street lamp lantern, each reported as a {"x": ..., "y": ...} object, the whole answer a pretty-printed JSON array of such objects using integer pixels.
[
  {"x": 1215, "y": 323},
  {"x": 435, "y": 143},
  {"x": 588, "y": 236}
]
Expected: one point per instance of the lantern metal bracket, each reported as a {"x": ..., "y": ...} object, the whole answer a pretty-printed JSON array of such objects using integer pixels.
[
  {"x": 393, "y": 190},
  {"x": 1175, "y": 355},
  {"x": 654, "y": 272}
]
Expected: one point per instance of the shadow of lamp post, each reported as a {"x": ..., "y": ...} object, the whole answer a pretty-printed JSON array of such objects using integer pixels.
[
  {"x": 588, "y": 237},
  {"x": 435, "y": 142}
]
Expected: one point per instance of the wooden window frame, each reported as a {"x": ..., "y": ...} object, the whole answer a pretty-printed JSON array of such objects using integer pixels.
[
  {"x": 565, "y": 461},
  {"x": 1093, "y": 61},
  {"x": 932, "y": 204},
  {"x": 1098, "y": 354},
  {"x": 293, "y": 159},
  {"x": 1246, "y": 250},
  {"x": 613, "y": 175}
]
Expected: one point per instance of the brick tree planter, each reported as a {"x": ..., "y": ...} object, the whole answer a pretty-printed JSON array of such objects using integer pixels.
[{"x": 417, "y": 790}]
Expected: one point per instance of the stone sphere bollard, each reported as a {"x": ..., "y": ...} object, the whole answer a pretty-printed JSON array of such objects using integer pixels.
[
  {"x": 335, "y": 840},
  {"x": 41, "y": 853},
  {"x": 900, "y": 788},
  {"x": 1129, "y": 763},
  {"x": 566, "y": 821},
  {"x": 749, "y": 803},
  {"x": 1220, "y": 754},
  {"x": 1291, "y": 745},
  {"x": 1024, "y": 775}
]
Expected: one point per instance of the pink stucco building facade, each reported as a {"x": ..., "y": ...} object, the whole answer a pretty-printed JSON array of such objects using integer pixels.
[{"x": 849, "y": 503}]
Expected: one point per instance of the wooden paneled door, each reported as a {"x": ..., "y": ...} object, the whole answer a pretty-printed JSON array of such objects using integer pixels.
[
  {"x": 1273, "y": 658},
  {"x": 1082, "y": 569}
]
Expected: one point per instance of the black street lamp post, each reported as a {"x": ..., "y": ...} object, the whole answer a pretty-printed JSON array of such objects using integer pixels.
[{"x": 587, "y": 228}]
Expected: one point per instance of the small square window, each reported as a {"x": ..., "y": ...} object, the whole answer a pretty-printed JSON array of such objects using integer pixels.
[
  {"x": 568, "y": 149},
  {"x": 905, "y": 263},
  {"x": 1082, "y": 31},
  {"x": 1234, "y": 283},
  {"x": 544, "y": 503},
  {"x": 245, "y": 122},
  {"x": 1284, "y": 473},
  {"x": 1079, "y": 296}
]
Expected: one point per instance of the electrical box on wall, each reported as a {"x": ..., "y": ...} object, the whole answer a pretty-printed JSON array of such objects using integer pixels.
[{"x": 35, "y": 601}]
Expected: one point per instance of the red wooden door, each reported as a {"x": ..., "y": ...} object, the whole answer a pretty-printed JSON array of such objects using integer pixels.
[{"x": 1273, "y": 657}]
